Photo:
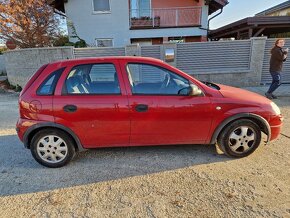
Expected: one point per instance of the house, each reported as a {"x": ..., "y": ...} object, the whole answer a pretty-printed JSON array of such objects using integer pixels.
[
  {"x": 272, "y": 22},
  {"x": 282, "y": 9},
  {"x": 115, "y": 23}
]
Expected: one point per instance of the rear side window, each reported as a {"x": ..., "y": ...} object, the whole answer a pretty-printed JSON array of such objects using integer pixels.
[
  {"x": 100, "y": 79},
  {"x": 49, "y": 84}
]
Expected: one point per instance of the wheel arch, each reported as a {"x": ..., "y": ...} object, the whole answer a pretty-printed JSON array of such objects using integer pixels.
[
  {"x": 31, "y": 131},
  {"x": 260, "y": 121}
]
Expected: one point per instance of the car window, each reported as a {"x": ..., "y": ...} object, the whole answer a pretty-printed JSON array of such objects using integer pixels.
[
  {"x": 49, "y": 84},
  {"x": 93, "y": 79},
  {"x": 148, "y": 79}
]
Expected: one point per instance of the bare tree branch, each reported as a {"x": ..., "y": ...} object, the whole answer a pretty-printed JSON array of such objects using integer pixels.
[{"x": 30, "y": 23}]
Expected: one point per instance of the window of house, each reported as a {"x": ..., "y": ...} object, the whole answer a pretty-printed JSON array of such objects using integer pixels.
[
  {"x": 152, "y": 80},
  {"x": 140, "y": 8},
  {"x": 92, "y": 79},
  {"x": 104, "y": 42},
  {"x": 101, "y": 5},
  {"x": 141, "y": 41}
]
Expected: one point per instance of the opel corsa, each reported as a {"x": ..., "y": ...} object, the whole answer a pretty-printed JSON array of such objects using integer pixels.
[{"x": 73, "y": 105}]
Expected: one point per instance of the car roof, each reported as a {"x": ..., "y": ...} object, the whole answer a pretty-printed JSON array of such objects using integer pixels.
[{"x": 107, "y": 58}]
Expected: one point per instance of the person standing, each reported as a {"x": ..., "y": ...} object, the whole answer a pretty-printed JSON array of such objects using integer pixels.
[{"x": 278, "y": 56}]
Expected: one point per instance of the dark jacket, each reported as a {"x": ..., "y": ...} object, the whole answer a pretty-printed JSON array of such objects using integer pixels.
[{"x": 277, "y": 59}]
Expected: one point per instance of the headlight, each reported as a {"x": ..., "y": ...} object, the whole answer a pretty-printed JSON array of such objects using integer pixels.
[{"x": 275, "y": 108}]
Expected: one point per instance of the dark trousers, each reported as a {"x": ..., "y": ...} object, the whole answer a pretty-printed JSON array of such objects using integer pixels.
[{"x": 276, "y": 81}]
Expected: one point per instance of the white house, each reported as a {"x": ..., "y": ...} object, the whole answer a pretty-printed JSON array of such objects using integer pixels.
[{"x": 115, "y": 23}]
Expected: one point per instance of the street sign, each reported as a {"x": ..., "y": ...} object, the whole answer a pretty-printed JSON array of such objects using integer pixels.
[{"x": 10, "y": 44}]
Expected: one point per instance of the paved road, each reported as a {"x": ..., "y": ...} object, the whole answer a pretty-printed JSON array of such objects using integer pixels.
[{"x": 169, "y": 181}]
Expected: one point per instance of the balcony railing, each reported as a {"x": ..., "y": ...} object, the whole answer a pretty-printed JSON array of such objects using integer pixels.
[{"x": 170, "y": 17}]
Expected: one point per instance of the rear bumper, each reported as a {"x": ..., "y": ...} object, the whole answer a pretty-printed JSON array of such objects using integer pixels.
[{"x": 22, "y": 126}]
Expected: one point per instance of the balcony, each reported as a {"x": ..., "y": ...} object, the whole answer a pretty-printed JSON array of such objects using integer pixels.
[{"x": 164, "y": 18}]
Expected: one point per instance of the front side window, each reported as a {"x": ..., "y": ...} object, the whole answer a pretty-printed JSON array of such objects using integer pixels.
[
  {"x": 152, "y": 80},
  {"x": 92, "y": 79},
  {"x": 101, "y": 5}
]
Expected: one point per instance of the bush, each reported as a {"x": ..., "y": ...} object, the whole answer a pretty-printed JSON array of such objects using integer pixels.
[
  {"x": 7, "y": 85},
  {"x": 2, "y": 50},
  {"x": 3, "y": 74}
]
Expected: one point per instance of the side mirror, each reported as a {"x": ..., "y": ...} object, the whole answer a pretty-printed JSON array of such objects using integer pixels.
[
  {"x": 195, "y": 91},
  {"x": 191, "y": 90}
]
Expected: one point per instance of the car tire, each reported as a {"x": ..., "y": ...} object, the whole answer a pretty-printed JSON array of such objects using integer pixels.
[
  {"x": 240, "y": 138},
  {"x": 52, "y": 148}
]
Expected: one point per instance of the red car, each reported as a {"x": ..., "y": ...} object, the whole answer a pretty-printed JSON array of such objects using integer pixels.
[{"x": 72, "y": 105}]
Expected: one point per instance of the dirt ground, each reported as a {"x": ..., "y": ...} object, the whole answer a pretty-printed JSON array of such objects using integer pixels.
[{"x": 170, "y": 181}]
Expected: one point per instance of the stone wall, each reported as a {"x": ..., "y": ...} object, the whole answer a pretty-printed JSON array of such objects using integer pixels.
[{"x": 22, "y": 63}]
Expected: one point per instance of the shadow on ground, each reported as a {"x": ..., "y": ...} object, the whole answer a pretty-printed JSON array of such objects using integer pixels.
[{"x": 20, "y": 173}]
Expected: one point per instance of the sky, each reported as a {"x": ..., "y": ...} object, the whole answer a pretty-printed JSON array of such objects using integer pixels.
[{"x": 239, "y": 9}]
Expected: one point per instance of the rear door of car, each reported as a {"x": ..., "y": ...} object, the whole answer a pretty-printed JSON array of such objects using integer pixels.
[
  {"x": 91, "y": 100},
  {"x": 159, "y": 115}
]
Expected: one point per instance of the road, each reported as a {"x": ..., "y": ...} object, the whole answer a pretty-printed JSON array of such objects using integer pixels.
[{"x": 168, "y": 181}]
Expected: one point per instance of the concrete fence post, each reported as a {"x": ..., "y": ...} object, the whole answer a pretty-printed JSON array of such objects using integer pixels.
[
  {"x": 258, "y": 45},
  {"x": 133, "y": 50}
]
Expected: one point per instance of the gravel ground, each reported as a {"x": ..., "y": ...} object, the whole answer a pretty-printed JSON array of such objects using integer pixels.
[{"x": 169, "y": 181}]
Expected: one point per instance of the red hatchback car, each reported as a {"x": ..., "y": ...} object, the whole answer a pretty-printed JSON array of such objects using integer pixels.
[{"x": 72, "y": 105}]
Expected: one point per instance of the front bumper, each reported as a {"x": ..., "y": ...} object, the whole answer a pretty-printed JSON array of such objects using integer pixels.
[{"x": 276, "y": 123}]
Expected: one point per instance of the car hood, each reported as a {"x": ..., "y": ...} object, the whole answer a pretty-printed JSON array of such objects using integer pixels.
[{"x": 243, "y": 95}]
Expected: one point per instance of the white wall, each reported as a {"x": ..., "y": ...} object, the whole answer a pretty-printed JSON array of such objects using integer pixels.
[{"x": 90, "y": 25}]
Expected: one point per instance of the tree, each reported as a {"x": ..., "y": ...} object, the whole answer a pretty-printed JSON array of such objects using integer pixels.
[{"x": 30, "y": 23}]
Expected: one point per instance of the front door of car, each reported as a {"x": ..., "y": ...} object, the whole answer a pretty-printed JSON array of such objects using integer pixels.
[
  {"x": 91, "y": 100},
  {"x": 161, "y": 110}
]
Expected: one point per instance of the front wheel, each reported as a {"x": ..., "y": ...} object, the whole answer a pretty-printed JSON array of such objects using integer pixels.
[
  {"x": 52, "y": 148},
  {"x": 240, "y": 138}
]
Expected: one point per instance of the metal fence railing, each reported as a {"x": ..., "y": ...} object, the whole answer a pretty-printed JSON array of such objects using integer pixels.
[{"x": 165, "y": 17}]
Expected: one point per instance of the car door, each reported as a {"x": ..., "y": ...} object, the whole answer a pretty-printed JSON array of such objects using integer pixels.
[
  {"x": 91, "y": 100},
  {"x": 160, "y": 111}
]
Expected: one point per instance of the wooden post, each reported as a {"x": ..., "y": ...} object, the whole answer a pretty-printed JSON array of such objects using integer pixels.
[{"x": 250, "y": 33}]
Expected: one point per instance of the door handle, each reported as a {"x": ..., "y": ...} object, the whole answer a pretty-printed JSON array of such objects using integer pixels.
[
  {"x": 141, "y": 108},
  {"x": 70, "y": 108}
]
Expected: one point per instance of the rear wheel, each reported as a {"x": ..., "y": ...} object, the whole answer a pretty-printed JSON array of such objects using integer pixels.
[
  {"x": 240, "y": 138},
  {"x": 52, "y": 148}
]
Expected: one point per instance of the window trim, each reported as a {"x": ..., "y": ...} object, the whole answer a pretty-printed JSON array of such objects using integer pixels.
[
  {"x": 102, "y": 12},
  {"x": 64, "y": 91},
  {"x": 57, "y": 74},
  {"x": 150, "y": 94}
]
